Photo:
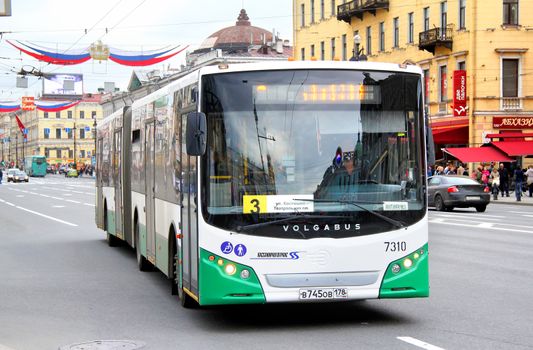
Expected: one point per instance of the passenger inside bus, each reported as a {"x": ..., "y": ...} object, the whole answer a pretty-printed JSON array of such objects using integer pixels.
[{"x": 341, "y": 176}]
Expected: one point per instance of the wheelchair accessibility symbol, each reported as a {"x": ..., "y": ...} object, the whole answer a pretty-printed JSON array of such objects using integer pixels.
[{"x": 226, "y": 247}]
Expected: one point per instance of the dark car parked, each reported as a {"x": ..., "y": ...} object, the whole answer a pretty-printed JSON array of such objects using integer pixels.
[{"x": 451, "y": 191}]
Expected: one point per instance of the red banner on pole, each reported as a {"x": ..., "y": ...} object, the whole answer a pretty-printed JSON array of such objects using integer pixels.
[
  {"x": 459, "y": 93},
  {"x": 21, "y": 126}
]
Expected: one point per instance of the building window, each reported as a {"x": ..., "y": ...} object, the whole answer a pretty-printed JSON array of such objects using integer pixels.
[
  {"x": 313, "y": 52},
  {"x": 69, "y": 114},
  {"x": 70, "y": 153},
  {"x": 322, "y": 51},
  {"x": 426, "y": 19},
  {"x": 302, "y": 53},
  {"x": 333, "y": 7},
  {"x": 461, "y": 65},
  {"x": 344, "y": 48},
  {"x": 426, "y": 86},
  {"x": 332, "y": 48},
  {"x": 443, "y": 15},
  {"x": 82, "y": 114},
  {"x": 82, "y": 133},
  {"x": 47, "y": 153},
  {"x": 46, "y": 133},
  {"x": 382, "y": 36},
  {"x": 462, "y": 14},
  {"x": 510, "y": 12},
  {"x": 312, "y": 11},
  {"x": 58, "y": 115},
  {"x": 322, "y": 9},
  {"x": 302, "y": 14},
  {"x": 411, "y": 27},
  {"x": 82, "y": 153},
  {"x": 69, "y": 133},
  {"x": 46, "y": 115},
  {"x": 58, "y": 153},
  {"x": 369, "y": 40},
  {"x": 510, "y": 78},
  {"x": 396, "y": 33},
  {"x": 93, "y": 115},
  {"x": 443, "y": 84},
  {"x": 58, "y": 133}
]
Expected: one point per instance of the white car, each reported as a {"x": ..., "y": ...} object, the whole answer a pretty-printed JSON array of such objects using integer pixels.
[
  {"x": 20, "y": 176},
  {"x": 11, "y": 174}
]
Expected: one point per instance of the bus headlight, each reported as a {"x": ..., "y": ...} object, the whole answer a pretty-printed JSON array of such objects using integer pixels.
[
  {"x": 407, "y": 263},
  {"x": 396, "y": 268},
  {"x": 245, "y": 274},
  {"x": 230, "y": 269}
]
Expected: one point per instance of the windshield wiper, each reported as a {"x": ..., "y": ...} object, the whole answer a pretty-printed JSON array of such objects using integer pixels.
[
  {"x": 395, "y": 223},
  {"x": 286, "y": 219}
]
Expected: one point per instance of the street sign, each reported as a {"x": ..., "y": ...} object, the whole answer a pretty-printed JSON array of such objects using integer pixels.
[
  {"x": 67, "y": 129},
  {"x": 87, "y": 128},
  {"x": 25, "y": 131}
]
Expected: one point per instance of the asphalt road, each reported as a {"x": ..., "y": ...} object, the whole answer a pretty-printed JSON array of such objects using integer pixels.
[{"x": 61, "y": 284}]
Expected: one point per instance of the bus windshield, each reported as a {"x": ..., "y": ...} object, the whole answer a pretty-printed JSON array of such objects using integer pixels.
[{"x": 322, "y": 150}]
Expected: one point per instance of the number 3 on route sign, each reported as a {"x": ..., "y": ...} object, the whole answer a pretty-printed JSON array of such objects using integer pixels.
[{"x": 254, "y": 204}]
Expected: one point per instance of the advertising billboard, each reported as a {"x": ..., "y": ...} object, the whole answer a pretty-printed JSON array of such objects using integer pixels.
[{"x": 62, "y": 84}]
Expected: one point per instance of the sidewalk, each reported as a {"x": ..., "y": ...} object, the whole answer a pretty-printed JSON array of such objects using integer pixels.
[{"x": 525, "y": 200}]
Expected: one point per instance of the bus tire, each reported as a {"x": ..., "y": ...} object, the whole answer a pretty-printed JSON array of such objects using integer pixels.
[
  {"x": 173, "y": 263},
  {"x": 142, "y": 263}
]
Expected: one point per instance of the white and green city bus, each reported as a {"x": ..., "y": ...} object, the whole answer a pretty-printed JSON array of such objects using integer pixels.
[{"x": 273, "y": 182}]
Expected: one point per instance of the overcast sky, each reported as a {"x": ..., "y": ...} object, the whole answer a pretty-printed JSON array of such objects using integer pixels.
[{"x": 131, "y": 25}]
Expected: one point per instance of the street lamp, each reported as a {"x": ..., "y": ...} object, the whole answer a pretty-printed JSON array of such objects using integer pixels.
[{"x": 358, "y": 54}]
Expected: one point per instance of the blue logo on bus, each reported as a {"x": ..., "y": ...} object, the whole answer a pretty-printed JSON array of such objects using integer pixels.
[
  {"x": 226, "y": 247},
  {"x": 240, "y": 250}
]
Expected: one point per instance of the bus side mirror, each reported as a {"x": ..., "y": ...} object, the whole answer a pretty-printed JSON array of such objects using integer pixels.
[{"x": 196, "y": 133}]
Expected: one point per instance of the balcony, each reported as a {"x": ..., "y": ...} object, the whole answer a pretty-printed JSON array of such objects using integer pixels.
[
  {"x": 356, "y": 8},
  {"x": 511, "y": 103},
  {"x": 432, "y": 38}
]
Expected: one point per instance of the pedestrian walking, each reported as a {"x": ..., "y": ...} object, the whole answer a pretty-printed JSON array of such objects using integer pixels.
[
  {"x": 518, "y": 179},
  {"x": 504, "y": 180},
  {"x": 494, "y": 181},
  {"x": 460, "y": 170},
  {"x": 529, "y": 179}
]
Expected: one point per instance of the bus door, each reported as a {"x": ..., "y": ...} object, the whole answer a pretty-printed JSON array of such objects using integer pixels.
[
  {"x": 149, "y": 176},
  {"x": 117, "y": 180},
  {"x": 99, "y": 184},
  {"x": 189, "y": 216}
]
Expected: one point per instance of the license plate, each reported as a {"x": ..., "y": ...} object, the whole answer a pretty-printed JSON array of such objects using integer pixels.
[
  {"x": 323, "y": 293},
  {"x": 473, "y": 198}
]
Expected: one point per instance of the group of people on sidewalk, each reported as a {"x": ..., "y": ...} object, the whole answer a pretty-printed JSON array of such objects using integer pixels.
[{"x": 497, "y": 179}]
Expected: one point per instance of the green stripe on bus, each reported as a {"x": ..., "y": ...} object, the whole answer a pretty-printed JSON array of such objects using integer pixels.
[
  {"x": 404, "y": 281},
  {"x": 219, "y": 288}
]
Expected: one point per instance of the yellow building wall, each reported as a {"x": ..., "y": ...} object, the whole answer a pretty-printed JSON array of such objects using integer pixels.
[
  {"x": 481, "y": 45},
  {"x": 36, "y": 123}
]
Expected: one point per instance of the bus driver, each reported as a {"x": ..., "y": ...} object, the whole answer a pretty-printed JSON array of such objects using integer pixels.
[{"x": 339, "y": 177}]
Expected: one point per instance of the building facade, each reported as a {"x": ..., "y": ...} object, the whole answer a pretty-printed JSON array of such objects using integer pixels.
[
  {"x": 63, "y": 137},
  {"x": 486, "y": 45}
]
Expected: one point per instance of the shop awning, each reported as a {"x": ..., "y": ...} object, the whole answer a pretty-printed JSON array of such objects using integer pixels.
[
  {"x": 478, "y": 154},
  {"x": 453, "y": 131},
  {"x": 509, "y": 135},
  {"x": 515, "y": 148}
]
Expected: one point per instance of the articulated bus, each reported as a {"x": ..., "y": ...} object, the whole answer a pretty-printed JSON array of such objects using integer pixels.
[
  {"x": 273, "y": 182},
  {"x": 35, "y": 165}
]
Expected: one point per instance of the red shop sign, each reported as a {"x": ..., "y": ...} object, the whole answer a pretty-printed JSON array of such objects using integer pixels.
[
  {"x": 459, "y": 93},
  {"x": 512, "y": 122}
]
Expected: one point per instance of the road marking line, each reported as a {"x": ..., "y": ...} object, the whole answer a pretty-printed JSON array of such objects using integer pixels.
[
  {"x": 419, "y": 343},
  {"x": 71, "y": 201},
  {"x": 486, "y": 225},
  {"x": 44, "y": 195},
  {"x": 9, "y": 203},
  {"x": 477, "y": 226},
  {"x": 89, "y": 204},
  {"x": 20, "y": 195},
  {"x": 45, "y": 216},
  {"x": 58, "y": 206},
  {"x": 482, "y": 218}
]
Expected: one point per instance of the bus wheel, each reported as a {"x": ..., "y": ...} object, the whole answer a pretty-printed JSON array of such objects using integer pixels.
[
  {"x": 142, "y": 263},
  {"x": 186, "y": 300},
  {"x": 112, "y": 240}
]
